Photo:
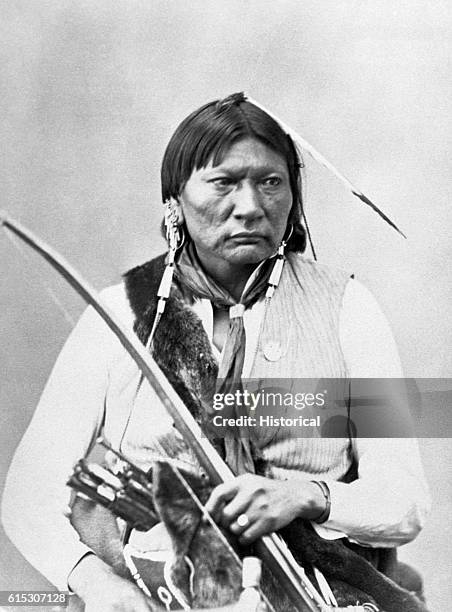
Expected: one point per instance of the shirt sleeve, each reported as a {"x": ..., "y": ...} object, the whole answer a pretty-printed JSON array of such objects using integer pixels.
[
  {"x": 64, "y": 426},
  {"x": 387, "y": 505}
]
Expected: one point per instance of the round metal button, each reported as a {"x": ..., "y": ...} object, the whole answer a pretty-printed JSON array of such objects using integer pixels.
[{"x": 272, "y": 351}]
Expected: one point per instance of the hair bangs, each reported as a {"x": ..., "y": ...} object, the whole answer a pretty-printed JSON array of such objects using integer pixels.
[{"x": 207, "y": 135}]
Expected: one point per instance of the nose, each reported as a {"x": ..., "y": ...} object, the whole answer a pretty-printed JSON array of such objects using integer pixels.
[{"x": 247, "y": 201}]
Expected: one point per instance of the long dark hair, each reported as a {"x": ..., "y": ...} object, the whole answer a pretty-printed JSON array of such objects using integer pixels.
[{"x": 208, "y": 133}]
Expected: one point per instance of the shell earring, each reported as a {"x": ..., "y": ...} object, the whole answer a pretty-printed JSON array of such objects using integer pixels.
[
  {"x": 174, "y": 231},
  {"x": 175, "y": 237}
]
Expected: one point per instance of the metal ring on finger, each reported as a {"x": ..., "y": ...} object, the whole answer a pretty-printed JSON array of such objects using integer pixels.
[{"x": 243, "y": 520}]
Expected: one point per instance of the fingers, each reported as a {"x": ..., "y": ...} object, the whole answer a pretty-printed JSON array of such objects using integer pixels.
[
  {"x": 250, "y": 527},
  {"x": 247, "y": 506},
  {"x": 239, "y": 492},
  {"x": 238, "y": 506},
  {"x": 254, "y": 531},
  {"x": 219, "y": 497},
  {"x": 240, "y": 524}
]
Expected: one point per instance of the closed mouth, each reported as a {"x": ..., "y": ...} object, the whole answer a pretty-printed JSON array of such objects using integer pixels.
[{"x": 247, "y": 236}]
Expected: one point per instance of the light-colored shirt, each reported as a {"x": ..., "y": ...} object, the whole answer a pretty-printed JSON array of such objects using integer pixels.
[{"x": 386, "y": 506}]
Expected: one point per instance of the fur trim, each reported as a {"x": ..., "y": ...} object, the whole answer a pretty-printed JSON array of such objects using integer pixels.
[{"x": 181, "y": 347}]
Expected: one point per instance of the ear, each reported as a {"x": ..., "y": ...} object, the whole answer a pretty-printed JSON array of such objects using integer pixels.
[
  {"x": 166, "y": 486},
  {"x": 178, "y": 209},
  {"x": 168, "y": 483}
]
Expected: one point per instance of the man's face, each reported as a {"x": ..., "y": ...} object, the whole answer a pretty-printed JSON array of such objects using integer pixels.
[{"x": 236, "y": 213}]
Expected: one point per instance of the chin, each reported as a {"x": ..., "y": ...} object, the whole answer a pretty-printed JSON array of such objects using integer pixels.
[{"x": 251, "y": 255}]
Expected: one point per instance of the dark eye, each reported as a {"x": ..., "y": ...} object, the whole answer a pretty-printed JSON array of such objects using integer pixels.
[
  {"x": 222, "y": 182},
  {"x": 272, "y": 181}
]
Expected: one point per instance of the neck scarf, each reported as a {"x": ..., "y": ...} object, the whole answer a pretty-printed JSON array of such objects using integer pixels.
[{"x": 191, "y": 275}]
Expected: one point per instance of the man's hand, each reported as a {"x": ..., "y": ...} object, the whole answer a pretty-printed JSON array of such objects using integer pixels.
[{"x": 253, "y": 506}]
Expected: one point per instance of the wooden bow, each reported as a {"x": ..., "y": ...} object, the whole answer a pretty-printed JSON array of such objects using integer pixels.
[{"x": 270, "y": 548}]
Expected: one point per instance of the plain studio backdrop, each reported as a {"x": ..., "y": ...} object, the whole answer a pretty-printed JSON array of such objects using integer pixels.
[{"x": 90, "y": 94}]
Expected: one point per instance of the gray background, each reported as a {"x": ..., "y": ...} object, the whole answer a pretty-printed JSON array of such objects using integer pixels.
[{"x": 91, "y": 92}]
